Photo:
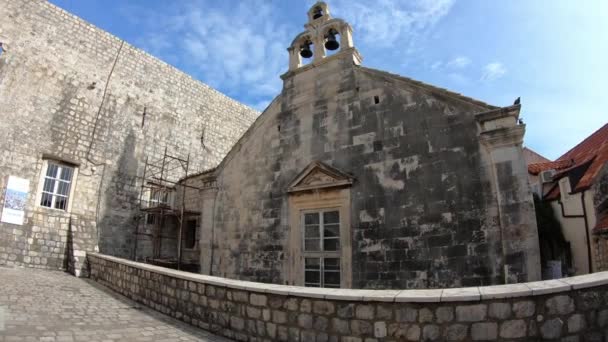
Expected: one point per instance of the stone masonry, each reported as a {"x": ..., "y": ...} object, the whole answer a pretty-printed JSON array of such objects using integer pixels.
[
  {"x": 72, "y": 93},
  {"x": 569, "y": 309},
  {"x": 436, "y": 192}
]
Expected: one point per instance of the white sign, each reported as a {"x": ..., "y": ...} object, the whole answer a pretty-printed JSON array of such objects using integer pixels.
[{"x": 14, "y": 200}]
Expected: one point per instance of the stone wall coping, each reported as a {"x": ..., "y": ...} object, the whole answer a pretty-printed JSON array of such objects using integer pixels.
[{"x": 464, "y": 294}]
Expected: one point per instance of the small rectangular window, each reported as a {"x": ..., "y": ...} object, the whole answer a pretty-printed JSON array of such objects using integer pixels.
[{"x": 56, "y": 186}]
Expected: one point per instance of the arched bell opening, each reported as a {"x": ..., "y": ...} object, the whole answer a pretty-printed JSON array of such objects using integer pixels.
[
  {"x": 317, "y": 12},
  {"x": 306, "y": 51},
  {"x": 332, "y": 42}
]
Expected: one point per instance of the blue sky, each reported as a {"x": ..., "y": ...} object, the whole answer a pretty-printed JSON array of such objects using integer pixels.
[{"x": 552, "y": 53}]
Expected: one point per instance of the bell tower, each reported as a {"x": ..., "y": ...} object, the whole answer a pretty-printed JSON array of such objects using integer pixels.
[{"x": 323, "y": 33}]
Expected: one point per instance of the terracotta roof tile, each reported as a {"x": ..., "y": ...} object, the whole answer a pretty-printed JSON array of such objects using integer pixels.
[
  {"x": 594, "y": 147},
  {"x": 537, "y": 168}
]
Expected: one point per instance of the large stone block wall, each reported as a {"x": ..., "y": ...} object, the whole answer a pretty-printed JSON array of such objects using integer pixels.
[
  {"x": 569, "y": 309},
  {"x": 72, "y": 92}
]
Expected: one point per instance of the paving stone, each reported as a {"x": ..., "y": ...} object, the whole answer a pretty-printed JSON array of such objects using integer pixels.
[{"x": 55, "y": 306}]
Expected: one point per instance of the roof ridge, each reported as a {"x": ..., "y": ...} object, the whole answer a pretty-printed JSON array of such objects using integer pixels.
[
  {"x": 432, "y": 87},
  {"x": 588, "y": 138}
]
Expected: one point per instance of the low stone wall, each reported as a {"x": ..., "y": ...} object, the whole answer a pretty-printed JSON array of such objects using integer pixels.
[{"x": 570, "y": 309}]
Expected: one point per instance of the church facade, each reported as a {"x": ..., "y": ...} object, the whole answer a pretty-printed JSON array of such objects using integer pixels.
[{"x": 358, "y": 178}]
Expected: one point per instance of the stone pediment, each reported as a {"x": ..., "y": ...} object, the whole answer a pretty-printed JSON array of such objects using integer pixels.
[{"x": 319, "y": 175}]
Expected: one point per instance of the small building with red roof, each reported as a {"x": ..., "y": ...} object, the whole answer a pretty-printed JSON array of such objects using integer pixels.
[{"x": 576, "y": 185}]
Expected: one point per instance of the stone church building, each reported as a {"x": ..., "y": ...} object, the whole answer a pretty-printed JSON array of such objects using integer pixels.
[
  {"x": 358, "y": 178},
  {"x": 352, "y": 177}
]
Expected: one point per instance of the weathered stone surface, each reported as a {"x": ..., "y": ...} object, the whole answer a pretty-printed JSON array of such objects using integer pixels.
[
  {"x": 456, "y": 332},
  {"x": 471, "y": 313},
  {"x": 305, "y": 321},
  {"x": 360, "y": 327},
  {"x": 425, "y": 315},
  {"x": 602, "y": 318},
  {"x": 431, "y": 333},
  {"x": 551, "y": 328},
  {"x": 323, "y": 308},
  {"x": 365, "y": 311},
  {"x": 97, "y": 102},
  {"x": 524, "y": 309},
  {"x": 513, "y": 329},
  {"x": 258, "y": 300},
  {"x": 500, "y": 310},
  {"x": 559, "y": 305},
  {"x": 484, "y": 331},
  {"x": 380, "y": 329},
  {"x": 406, "y": 314},
  {"x": 576, "y": 323},
  {"x": 444, "y": 314}
]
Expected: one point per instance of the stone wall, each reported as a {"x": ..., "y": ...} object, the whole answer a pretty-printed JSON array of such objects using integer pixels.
[
  {"x": 74, "y": 93},
  {"x": 573, "y": 309},
  {"x": 434, "y": 202}
]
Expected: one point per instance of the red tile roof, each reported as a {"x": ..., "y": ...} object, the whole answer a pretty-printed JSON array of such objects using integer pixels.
[
  {"x": 537, "y": 168},
  {"x": 594, "y": 147}
]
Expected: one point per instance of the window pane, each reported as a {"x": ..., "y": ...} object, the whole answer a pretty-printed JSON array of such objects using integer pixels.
[
  {"x": 46, "y": 200},
  {"x": 51, "y": 171},
  {"x": 312, "y": 278},
  {"x": 63, "y": 188},
  {"x": 312, "y": 245},
  {"x": 331, "y": 217},
  {"x": 331, "y": 264},
  {"x": 60, "y": 202},
  {"x": 331, "y": 244},
  {"x": 331, "y": 279},
  {"x": 66, "y": 173},
  {"x": 331, "y": 272},
  {"x": 150, "y": 219},
  {"x": 312, "y": 218},
  {"x": 331, "y": 230},
  {"x": 312, "y": 274},
  {"x": 311, "y": 232},
  {"x": 312, "y": 263},
  {"x": 49, "y": 185}
]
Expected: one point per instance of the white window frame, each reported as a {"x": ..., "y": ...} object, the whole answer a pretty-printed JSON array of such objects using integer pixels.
[
  {"x": 321, "y": 254},
  {"x": 72, "y": 185}
]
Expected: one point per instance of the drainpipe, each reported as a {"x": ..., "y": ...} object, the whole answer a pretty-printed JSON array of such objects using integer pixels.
[{"x": 584, "y": 217}]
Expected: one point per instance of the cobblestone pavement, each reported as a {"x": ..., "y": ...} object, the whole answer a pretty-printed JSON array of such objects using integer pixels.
[{"x": 37, "y": 305}]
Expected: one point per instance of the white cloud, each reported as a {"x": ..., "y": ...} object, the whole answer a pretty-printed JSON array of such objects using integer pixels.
[
  {"x": 459, "y": 62},
  {"x": 238, "y": 50},
  {"x": 386, "y": 22},
  {"x": 493, "y": 71}
]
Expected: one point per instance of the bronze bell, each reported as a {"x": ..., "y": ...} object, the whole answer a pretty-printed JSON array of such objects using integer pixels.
[
  {"x": 305, "y": 50},
  {"x": 318, "y": 13},
  {"x": 331, "y": 43}
]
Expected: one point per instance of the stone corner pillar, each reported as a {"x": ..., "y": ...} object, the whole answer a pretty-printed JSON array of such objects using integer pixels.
[{"x": 501, "y": 134}]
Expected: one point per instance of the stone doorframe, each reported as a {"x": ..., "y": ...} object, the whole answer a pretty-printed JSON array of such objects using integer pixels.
[{"x": 319, "y": 187}]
